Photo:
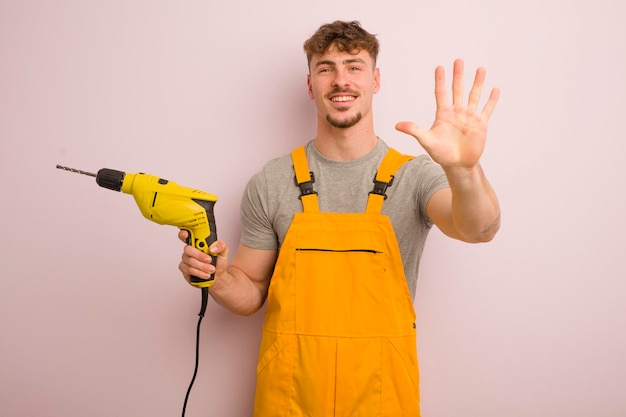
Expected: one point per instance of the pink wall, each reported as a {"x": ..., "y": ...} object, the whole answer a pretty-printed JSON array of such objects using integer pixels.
[{"x": 95, "y": 319}]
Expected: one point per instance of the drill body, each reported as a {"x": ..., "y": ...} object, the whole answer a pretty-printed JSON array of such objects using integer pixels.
[{"x": 165, "y": 202}]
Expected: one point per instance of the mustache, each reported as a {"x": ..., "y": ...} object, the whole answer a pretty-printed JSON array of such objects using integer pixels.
[{"x": 338, "y": 90}]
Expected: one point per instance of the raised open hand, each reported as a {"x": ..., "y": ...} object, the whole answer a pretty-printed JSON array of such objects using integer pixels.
[{"x": 457, "y": 137}]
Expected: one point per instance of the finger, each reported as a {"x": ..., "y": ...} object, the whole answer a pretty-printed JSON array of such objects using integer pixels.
[
  {"x": 477, "y": 88},
  {"x": 414, "y": 130},
  {"x": 441, "y": 98},
  {"x": 457, "y": 83},
  {"x": 203, "y": 271},
  {"x": 195, "y": 262},
  {"x": 195, "y": 256},
  {"x": 187, "y": 271},
  {"x": 183, "y": 235},
  {"x": 410, "y": 128},
  {"x": 491, "y": 103},
  {"x": 182, "y": 267},
  {"x": 220, "y": 249}
]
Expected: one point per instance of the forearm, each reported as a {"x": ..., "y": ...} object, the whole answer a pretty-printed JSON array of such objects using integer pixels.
[
  {"x": 242, "y": 286},
  {"x": 236, "y": 292},
  {"x": 475, "y": 209}
]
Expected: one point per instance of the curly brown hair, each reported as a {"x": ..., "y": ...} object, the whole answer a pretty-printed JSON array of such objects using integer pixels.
[{"x": 345, "y": 36}]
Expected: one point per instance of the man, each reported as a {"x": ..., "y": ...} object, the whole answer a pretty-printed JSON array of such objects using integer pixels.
[{"x": 341, "y": 244}]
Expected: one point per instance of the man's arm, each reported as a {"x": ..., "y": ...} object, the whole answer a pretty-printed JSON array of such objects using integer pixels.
[
  {"x": 240, "y": 287},
  {"x": 469, "y": 209}
]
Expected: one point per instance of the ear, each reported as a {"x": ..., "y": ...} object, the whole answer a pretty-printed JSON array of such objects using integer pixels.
[
  {"x": 376, "y": 80},
  {"x": 309, "y": 87}
]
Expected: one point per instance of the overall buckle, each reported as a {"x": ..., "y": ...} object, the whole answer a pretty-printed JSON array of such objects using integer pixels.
[
  {"x": 380, "y": 187},
  {"x": 306, "y": 187}
]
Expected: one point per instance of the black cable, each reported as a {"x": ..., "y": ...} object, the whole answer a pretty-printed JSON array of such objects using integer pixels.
[{"x": 205, "y": 297}]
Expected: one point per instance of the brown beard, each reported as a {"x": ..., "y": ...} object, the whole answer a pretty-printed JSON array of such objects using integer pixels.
[{"x": 344, "y": 124}]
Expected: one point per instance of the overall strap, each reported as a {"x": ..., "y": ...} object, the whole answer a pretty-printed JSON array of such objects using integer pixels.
[
  {"x": 384, "y": 179},
  {"x": 304, "y": 180}
]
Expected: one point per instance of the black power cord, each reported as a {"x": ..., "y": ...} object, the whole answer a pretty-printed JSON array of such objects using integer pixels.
[{"x": 205, "y": 297}]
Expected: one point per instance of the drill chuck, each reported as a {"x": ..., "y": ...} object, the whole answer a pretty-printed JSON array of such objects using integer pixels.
[{"x": 110, "y": 178}]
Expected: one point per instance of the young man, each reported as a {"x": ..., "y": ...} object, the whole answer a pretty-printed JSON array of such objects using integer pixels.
[{"x": 341, "y": 244}]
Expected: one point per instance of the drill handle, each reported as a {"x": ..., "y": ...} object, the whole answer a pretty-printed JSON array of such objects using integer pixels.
[{"x": 204, "y": 245}]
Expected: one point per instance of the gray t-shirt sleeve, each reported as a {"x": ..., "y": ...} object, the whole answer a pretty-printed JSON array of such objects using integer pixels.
[
  {"x": 256, "y": 227},
  {"x": 432, "y": 178}
]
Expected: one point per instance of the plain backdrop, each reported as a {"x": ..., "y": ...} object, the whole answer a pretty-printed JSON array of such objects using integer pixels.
[{"x": 95, "y": 319}]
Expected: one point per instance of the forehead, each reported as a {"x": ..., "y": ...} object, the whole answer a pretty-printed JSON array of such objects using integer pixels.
[{"x": 333, "y": 56}]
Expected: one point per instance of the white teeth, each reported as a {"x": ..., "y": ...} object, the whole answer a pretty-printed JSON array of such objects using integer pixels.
[{"x": 343, "y": 98}]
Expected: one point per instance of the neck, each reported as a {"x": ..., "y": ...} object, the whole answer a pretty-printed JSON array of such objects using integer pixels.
[{"x": 345, "y": 144}]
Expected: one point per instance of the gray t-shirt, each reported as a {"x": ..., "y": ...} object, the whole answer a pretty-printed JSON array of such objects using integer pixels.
[{"x": 271, "y": 199}]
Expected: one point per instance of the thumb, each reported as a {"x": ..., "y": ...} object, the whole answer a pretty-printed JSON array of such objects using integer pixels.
[
  {"x": 411, "y": 128},
  {"x": 219, "y": 249}
]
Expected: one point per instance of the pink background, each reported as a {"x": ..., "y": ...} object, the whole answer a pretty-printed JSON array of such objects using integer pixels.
[{"x": 95, "y": 319}]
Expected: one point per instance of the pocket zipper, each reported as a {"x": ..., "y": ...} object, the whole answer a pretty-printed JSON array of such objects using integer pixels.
[{"x": 338, "y": 250}]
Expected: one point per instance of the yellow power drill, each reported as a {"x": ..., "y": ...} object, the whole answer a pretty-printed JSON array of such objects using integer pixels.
[{"x": 165, "y": 202}]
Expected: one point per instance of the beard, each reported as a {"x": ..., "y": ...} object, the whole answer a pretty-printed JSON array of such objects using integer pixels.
[{"x": 346, "y": 123}]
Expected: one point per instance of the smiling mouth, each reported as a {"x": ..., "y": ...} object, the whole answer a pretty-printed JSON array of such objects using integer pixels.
[
  {"x": 338, "y": 95},
  {"x": 342, "y": 99}
]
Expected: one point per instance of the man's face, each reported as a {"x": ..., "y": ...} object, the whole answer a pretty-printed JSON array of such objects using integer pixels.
[{"x": 342, "y": 85}]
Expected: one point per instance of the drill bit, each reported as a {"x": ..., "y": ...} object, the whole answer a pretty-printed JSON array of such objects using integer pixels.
[{"x": 77, "y": 171}]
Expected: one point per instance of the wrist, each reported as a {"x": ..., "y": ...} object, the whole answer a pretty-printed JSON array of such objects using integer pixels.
[{"x": 459, "y": 175}]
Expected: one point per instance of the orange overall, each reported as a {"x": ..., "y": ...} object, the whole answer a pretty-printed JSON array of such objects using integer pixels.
[{"x": 339, "y": 334}]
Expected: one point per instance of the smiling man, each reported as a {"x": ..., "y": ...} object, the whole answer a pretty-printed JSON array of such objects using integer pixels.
[
  {"x": 343, "y": 76},
  {"x": 335, "y": 253},
  {"x": 343, "y": 80}
]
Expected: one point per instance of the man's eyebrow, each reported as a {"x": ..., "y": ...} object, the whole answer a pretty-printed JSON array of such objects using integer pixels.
[
  {"x": 353, "y": 60},
  {"x": 327, "y": 62},
  {"x": 344, "y": 62}
]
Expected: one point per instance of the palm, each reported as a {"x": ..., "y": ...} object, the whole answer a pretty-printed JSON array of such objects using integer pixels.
[{"x": 458, "y": 135}]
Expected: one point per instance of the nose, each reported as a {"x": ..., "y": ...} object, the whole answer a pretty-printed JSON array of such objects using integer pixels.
[{"x": 341, "y": 79}]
